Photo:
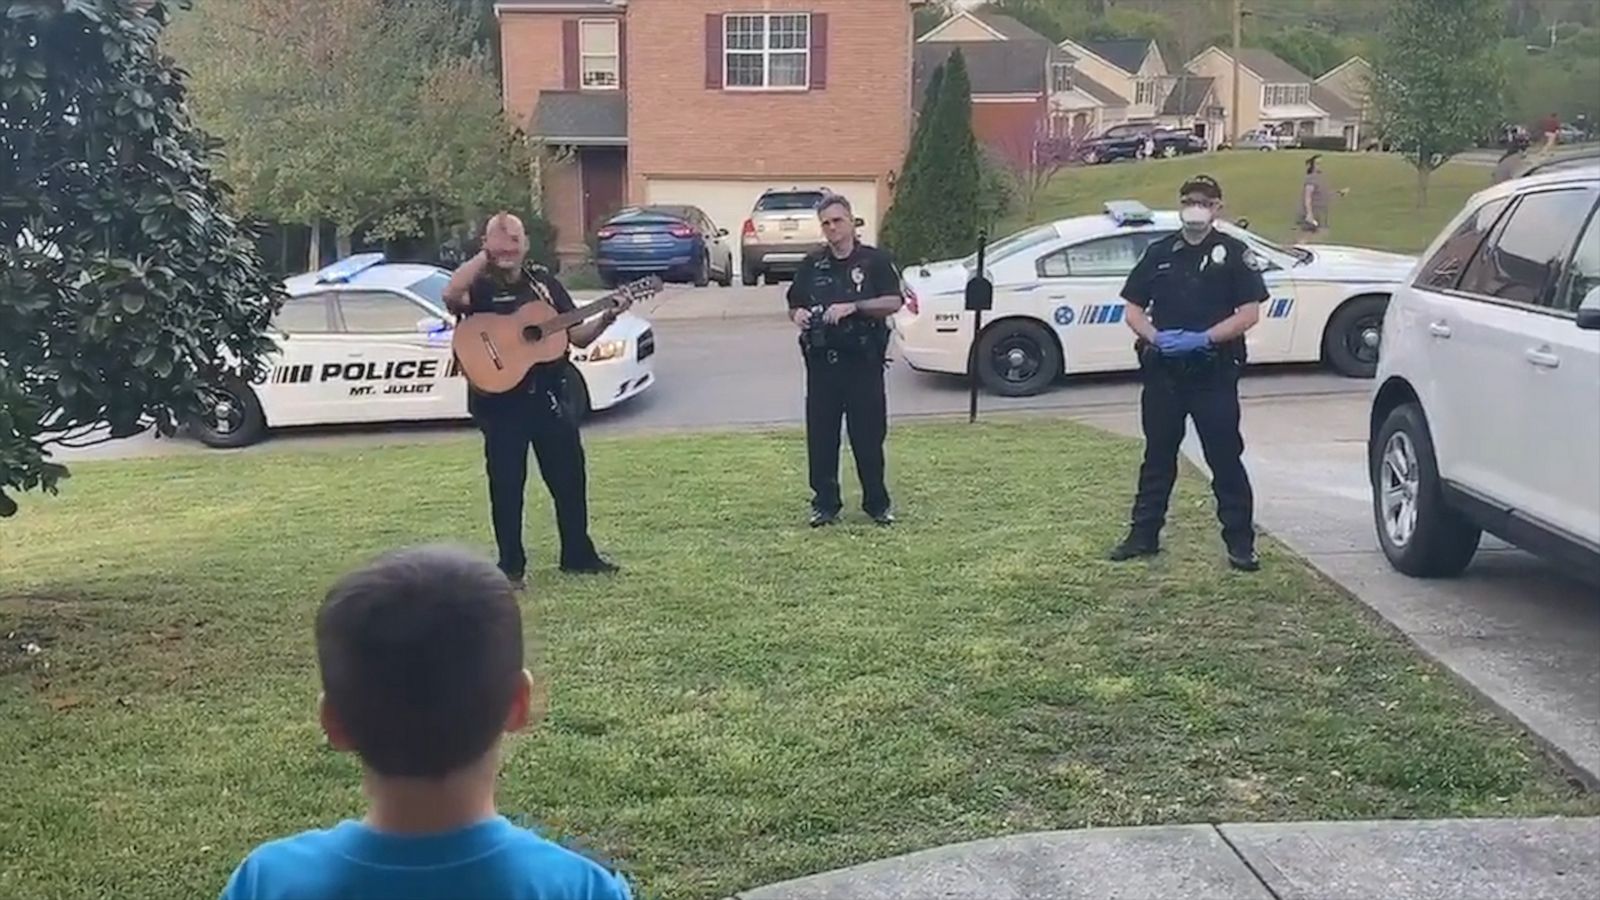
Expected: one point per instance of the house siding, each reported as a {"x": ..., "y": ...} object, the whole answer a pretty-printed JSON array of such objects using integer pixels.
[
  {"x": 1010, "y": 127},
  {"x": 678, "y": 127},
  {"x": 1219, "y": 66},
  {"x": 532, "y": 61},
  {"x": 1108, "y": 75}
]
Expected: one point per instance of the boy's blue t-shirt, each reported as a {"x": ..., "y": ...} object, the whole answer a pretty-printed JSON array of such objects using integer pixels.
[{"x": 493, "y": 860}]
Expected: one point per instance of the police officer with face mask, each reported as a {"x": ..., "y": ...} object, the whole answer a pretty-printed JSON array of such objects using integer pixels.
[
  {"x": 1190, "y": 300},
  {"x": 840, "y": 300}
]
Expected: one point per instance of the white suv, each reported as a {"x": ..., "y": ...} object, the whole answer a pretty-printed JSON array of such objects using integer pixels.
[{"x": 1486, "y": 415}]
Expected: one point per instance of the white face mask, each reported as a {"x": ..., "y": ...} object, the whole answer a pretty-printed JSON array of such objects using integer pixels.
[{"x": 1195, "y": 216}]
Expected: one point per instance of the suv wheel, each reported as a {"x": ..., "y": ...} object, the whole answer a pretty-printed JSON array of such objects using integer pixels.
[
  {"x": 1017, "y": 358},
  {"x": 702, "y": 271},
  {"x": 750, "y": 275},
  {"x": 1169, "y": 151},
  {"x": 1350, "y": 344},
  {"x": 1420, "y": 534}
]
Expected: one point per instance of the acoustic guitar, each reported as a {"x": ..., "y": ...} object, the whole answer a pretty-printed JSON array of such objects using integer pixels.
[{"x": 497, "y": 350}]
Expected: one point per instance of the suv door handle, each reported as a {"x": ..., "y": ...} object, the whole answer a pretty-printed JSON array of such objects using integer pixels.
[
  {"x": 1542, "y": 357},
  {"x": 1439, "y": 329}
]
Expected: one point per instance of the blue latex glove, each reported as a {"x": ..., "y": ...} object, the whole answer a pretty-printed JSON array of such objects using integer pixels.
[{"x": 1179, "y": 343}]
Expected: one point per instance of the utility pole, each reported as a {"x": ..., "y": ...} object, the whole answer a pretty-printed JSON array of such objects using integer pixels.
[{"x": 1233, "y": 111}]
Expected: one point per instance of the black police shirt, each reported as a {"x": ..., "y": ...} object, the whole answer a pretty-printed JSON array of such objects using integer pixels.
[
  {"x": 824, "y": 279},
  {"x": 1192, "y": 287},
  {"x": 533, "y": 282}
]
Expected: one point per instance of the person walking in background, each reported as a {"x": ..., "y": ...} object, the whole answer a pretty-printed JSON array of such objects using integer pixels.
[
  {"x": 1311, "y": 214},
  {"x": 1551, "y": 129}
]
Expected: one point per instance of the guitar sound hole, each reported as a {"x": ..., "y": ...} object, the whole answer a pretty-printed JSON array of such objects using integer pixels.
[{"x": 533, "y": 334}]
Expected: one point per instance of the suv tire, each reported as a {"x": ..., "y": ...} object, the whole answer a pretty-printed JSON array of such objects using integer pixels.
[
  {"x": 1418, "y": 531},
  {"x": 750, "y": 275}
]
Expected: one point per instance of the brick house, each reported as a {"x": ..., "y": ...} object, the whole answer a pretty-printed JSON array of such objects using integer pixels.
[
  {"x": 708, "y": 103},
  {"x": 1024, "y": 88}
]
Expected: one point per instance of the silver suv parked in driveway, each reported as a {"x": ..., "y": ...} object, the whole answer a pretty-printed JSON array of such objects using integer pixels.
[{"x": 781, "y": 230}]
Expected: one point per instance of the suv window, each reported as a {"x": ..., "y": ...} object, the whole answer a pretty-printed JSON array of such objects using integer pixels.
[
  {"x": 303, "y": 315},
  {"x": 1444, "y": 269},
  {"x": 789, "y": 201},
  {"x": 1100, "y": 258},
  {"x": 1523, "y": 257},
  {"x": 1584, "y": 273},
  {"x": 373, "y": 312}
]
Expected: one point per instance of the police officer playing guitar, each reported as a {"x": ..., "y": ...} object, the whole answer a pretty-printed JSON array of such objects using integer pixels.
[
  {"x": 840, "y": 300},
  {"x": 500, "y": 280},
  {"x": 1190, "y": 300}
]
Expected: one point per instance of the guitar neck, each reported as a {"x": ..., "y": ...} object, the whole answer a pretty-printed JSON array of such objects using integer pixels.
[{"x": 581, "y": 314}]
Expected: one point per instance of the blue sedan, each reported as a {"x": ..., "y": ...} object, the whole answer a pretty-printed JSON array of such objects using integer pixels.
[{"x": 679, "y": 243}]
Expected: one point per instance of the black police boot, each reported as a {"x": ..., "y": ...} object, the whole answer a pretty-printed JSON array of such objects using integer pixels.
[
  {"x": 1243, "y": 557},
  {"x": 1135, "y": 546},
  {"x": 820, "y": 518},
  {"x": 597, "y": 566}
]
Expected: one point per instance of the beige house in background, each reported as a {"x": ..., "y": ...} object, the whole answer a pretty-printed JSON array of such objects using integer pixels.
[
  {"x": 1348, "y": 82},
  {"x": 1134, "y": 69},
  {"x": 1277, "y": 97}
]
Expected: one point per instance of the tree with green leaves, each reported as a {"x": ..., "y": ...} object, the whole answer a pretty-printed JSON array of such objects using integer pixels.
[
  {"x": 378, "y": 116},
  {"x": 1438, "y": 79},
  {"x": 127, "y": 288},
  {"x": 935, "y": 211}
]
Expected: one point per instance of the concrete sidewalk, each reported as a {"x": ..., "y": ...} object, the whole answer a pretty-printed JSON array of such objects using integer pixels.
[{"x": 1454, "y": 859}]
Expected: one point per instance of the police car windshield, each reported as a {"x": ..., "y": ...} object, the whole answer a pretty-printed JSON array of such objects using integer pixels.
[
  {"x": 431, "y": 288},
  {"x": 1013, "y": 244}
]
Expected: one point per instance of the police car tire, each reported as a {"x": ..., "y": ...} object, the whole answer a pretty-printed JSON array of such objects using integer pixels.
[
  {"x": 1049, "y": 353},
  {"x": 1337, "y": 336},
  {"x": 1444, "y": 541},
  {"x": 251, "y": 430}
]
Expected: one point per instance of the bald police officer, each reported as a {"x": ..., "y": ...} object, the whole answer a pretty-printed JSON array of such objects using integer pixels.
[
  {"x": 840, "y": 300},
  {"x": 1190, "y": 300}
]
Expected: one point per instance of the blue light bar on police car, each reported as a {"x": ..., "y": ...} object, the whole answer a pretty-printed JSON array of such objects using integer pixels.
[
  {"x": 1129, "y": 212},
  {"x": 346, "y": 269}
]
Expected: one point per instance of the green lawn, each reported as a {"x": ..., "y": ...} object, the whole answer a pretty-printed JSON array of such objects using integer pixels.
[
  {"x": 750, "y": 701},
  {"x": 1380, "y": 211}
]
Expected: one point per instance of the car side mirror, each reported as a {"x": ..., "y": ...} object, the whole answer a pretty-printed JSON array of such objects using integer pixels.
[
  {"x": 1589, "y": 312},
  {"x": 722, "y": 232},
  {"x": 861, "y": 223},
  {"x": 1242, "y": 223},
  {"x": 432, "y": 325}
]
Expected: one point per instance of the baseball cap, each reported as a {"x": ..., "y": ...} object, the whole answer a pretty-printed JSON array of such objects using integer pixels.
[{"x": 1201, "y": 184}]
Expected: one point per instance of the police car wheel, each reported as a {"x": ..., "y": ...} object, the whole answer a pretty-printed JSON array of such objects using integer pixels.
[
  {"x": 1017, "y": 358},
  {"x": 233, "y": 419},
  {"x": 1351, "y": 343},
  {"x": 1420, "y": 534}
]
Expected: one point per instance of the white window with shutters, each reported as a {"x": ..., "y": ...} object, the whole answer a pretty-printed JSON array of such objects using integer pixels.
[{"x": 766, "y": 51}]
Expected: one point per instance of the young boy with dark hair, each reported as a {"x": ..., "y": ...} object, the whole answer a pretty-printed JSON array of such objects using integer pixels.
[{"x": 422, "y": 672}]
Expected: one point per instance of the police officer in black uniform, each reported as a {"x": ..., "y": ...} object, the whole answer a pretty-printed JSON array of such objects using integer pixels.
[
  {"x": 840, "y": 300},
  {"x": 500, "y": 279},
  {"x": 1191, "y": 298}
]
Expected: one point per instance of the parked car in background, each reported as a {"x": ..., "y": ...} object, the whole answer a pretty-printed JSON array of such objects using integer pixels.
[
  {"x": 679, "y": 243},
  {"x": 1132, "y": 141},
  {"x": 782, "y": 228},
  {"x": 365, "y": 341},
  {"x": 1057, "y": 308},
  {"x": 1487, "y": 412},
  {"x": 1259, "y": 139}
]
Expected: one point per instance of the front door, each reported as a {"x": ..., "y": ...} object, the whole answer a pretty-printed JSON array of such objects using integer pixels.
[
  {"x": 603, "y": 170},
  {"x": 383, "y": 367}
]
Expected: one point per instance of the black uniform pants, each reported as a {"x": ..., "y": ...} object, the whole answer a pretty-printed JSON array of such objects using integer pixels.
[
  {"x": 849, "y": 387},
  {"x": 1209, "y": 396},
  {"x": 510, "y": 423}
]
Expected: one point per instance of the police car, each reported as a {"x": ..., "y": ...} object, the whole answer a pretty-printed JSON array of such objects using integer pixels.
[
  {"x": 1058, "y": 307},
  {"x": 364, "y": 340}
]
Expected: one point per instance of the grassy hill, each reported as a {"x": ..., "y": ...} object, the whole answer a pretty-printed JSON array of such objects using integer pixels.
[{"x": 1379, "y": 211}]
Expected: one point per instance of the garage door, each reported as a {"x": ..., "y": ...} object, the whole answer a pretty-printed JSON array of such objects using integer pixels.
[{"x": 728, "y": 203}]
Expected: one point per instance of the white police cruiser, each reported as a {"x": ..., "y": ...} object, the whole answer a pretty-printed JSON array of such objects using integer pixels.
[
  {"x": 364, "y": 340},
  {"x": 1058, "y": 306}
]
